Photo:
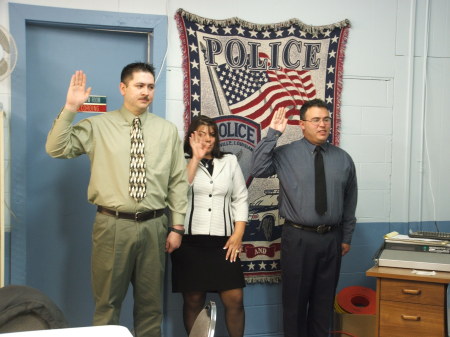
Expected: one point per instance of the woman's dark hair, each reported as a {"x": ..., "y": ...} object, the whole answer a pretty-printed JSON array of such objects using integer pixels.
[{"x": 209, "y": 122}]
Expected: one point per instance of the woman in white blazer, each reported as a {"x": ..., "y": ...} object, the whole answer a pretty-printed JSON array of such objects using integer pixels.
[{"x": 208, "y": 258}]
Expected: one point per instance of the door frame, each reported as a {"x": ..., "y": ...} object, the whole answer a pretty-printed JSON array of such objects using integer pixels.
[{"x": 20, "y": 15}]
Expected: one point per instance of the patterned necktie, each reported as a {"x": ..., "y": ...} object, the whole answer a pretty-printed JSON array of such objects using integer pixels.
[
  {"x": 320, "y": 184},
  {"x": 137, "y": 187}
]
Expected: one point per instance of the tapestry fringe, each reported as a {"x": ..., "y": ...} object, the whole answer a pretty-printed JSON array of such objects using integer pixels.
[
  {"x": 185, "y": 66},
  {"x": 339, "y": 85},
  {"x": 262, "y": 279},
  {"x": 231, "y": 21}
]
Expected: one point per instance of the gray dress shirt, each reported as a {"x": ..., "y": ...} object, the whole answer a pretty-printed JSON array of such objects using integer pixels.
[{"x": 294, "y": 165}]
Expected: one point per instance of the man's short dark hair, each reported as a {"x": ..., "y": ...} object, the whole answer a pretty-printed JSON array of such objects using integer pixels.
[
  {"x": 128, "y": 70},
  {"x": 317, "y": 102}
]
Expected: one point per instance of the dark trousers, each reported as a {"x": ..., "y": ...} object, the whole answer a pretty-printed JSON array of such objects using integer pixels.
[{"x": 310, "y": 265}]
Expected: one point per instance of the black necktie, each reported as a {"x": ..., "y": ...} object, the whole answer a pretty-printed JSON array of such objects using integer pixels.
[{"x": 321, "y": 186}]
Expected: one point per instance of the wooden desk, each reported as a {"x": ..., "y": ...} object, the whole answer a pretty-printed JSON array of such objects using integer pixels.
[{"x": 409, "y": 304}]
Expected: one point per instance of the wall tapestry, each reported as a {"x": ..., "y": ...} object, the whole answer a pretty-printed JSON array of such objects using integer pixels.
[{"x": 238, "y": 73}]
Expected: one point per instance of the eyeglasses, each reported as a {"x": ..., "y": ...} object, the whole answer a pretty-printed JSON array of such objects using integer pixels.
[{"x": 316, "y": 120}]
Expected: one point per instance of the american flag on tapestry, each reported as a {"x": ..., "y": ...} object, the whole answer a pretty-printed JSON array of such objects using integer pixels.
[
  {"x": 255, "y": 94},
  {"x": 239, "y": 73}
]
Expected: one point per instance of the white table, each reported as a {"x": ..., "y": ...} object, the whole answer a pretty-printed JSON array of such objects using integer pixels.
[{"x": 90, "y": 331}]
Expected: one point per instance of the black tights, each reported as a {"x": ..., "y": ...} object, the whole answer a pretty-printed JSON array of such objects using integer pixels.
[{"x": 233, "y": 303}]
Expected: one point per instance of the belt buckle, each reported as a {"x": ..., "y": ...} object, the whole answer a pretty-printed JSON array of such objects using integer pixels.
[
  {"x": 322, "y": 229},
  {"x": 137, "y": 216}
]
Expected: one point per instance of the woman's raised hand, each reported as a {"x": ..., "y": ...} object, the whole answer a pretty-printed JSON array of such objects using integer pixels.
[{"x": 199, "y": 148}]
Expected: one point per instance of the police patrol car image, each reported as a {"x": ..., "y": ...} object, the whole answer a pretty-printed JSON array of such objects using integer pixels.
[{"x": 263, "y": 216}]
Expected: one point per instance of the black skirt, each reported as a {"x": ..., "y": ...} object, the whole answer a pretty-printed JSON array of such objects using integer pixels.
[{"x": 199, "y": 265}]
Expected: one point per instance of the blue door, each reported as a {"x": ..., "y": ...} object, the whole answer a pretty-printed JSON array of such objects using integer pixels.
[{"x": 49, "y": 196}]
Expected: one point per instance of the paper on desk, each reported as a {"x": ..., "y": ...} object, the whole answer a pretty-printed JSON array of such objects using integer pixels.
[
  {"x": 424, "y": 272},
  {"x": 406, "y": 239},
  {"x": 390, "y": 235}
]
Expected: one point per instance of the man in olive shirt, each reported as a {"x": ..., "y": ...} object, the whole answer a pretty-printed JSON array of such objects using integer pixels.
[
  {"x": 130, "y": 234},
  {"x": 316, "y": 234}
]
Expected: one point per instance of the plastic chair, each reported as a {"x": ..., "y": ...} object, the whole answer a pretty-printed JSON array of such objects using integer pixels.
[{"x": 205, "y": 323}]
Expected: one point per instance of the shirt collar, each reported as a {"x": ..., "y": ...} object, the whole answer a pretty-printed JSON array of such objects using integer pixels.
[
  {"x": 129, "y": 117},
  {"x": 312, "y": 147}
]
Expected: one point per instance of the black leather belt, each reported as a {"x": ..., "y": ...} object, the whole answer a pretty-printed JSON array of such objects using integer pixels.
[
  {"x": 138, "y": 216},
  {"x": 321, "y": 229}
]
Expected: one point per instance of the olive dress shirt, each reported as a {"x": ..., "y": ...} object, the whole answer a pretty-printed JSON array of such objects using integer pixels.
[{"x": 105, "y": 138}]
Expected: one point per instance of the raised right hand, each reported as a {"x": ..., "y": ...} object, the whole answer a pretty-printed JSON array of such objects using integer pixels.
[
  {"x": 77, "y": 93},
  {"x": 199, "y": 148},
  {"x": 279, "y": 120}
]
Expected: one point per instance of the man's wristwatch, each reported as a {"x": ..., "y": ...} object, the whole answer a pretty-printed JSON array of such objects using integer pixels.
[{"x": 178, "y": 231}]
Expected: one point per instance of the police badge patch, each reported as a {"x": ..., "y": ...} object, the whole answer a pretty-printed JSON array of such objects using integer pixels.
[{"x": 239, "y": 135}]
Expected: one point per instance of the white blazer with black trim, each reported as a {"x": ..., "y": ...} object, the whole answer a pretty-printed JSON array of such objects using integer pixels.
[{"x": 216, "y": 202}]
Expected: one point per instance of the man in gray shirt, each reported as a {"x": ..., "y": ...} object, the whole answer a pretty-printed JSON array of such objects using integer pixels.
[{"x": 317, "y": 231}]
